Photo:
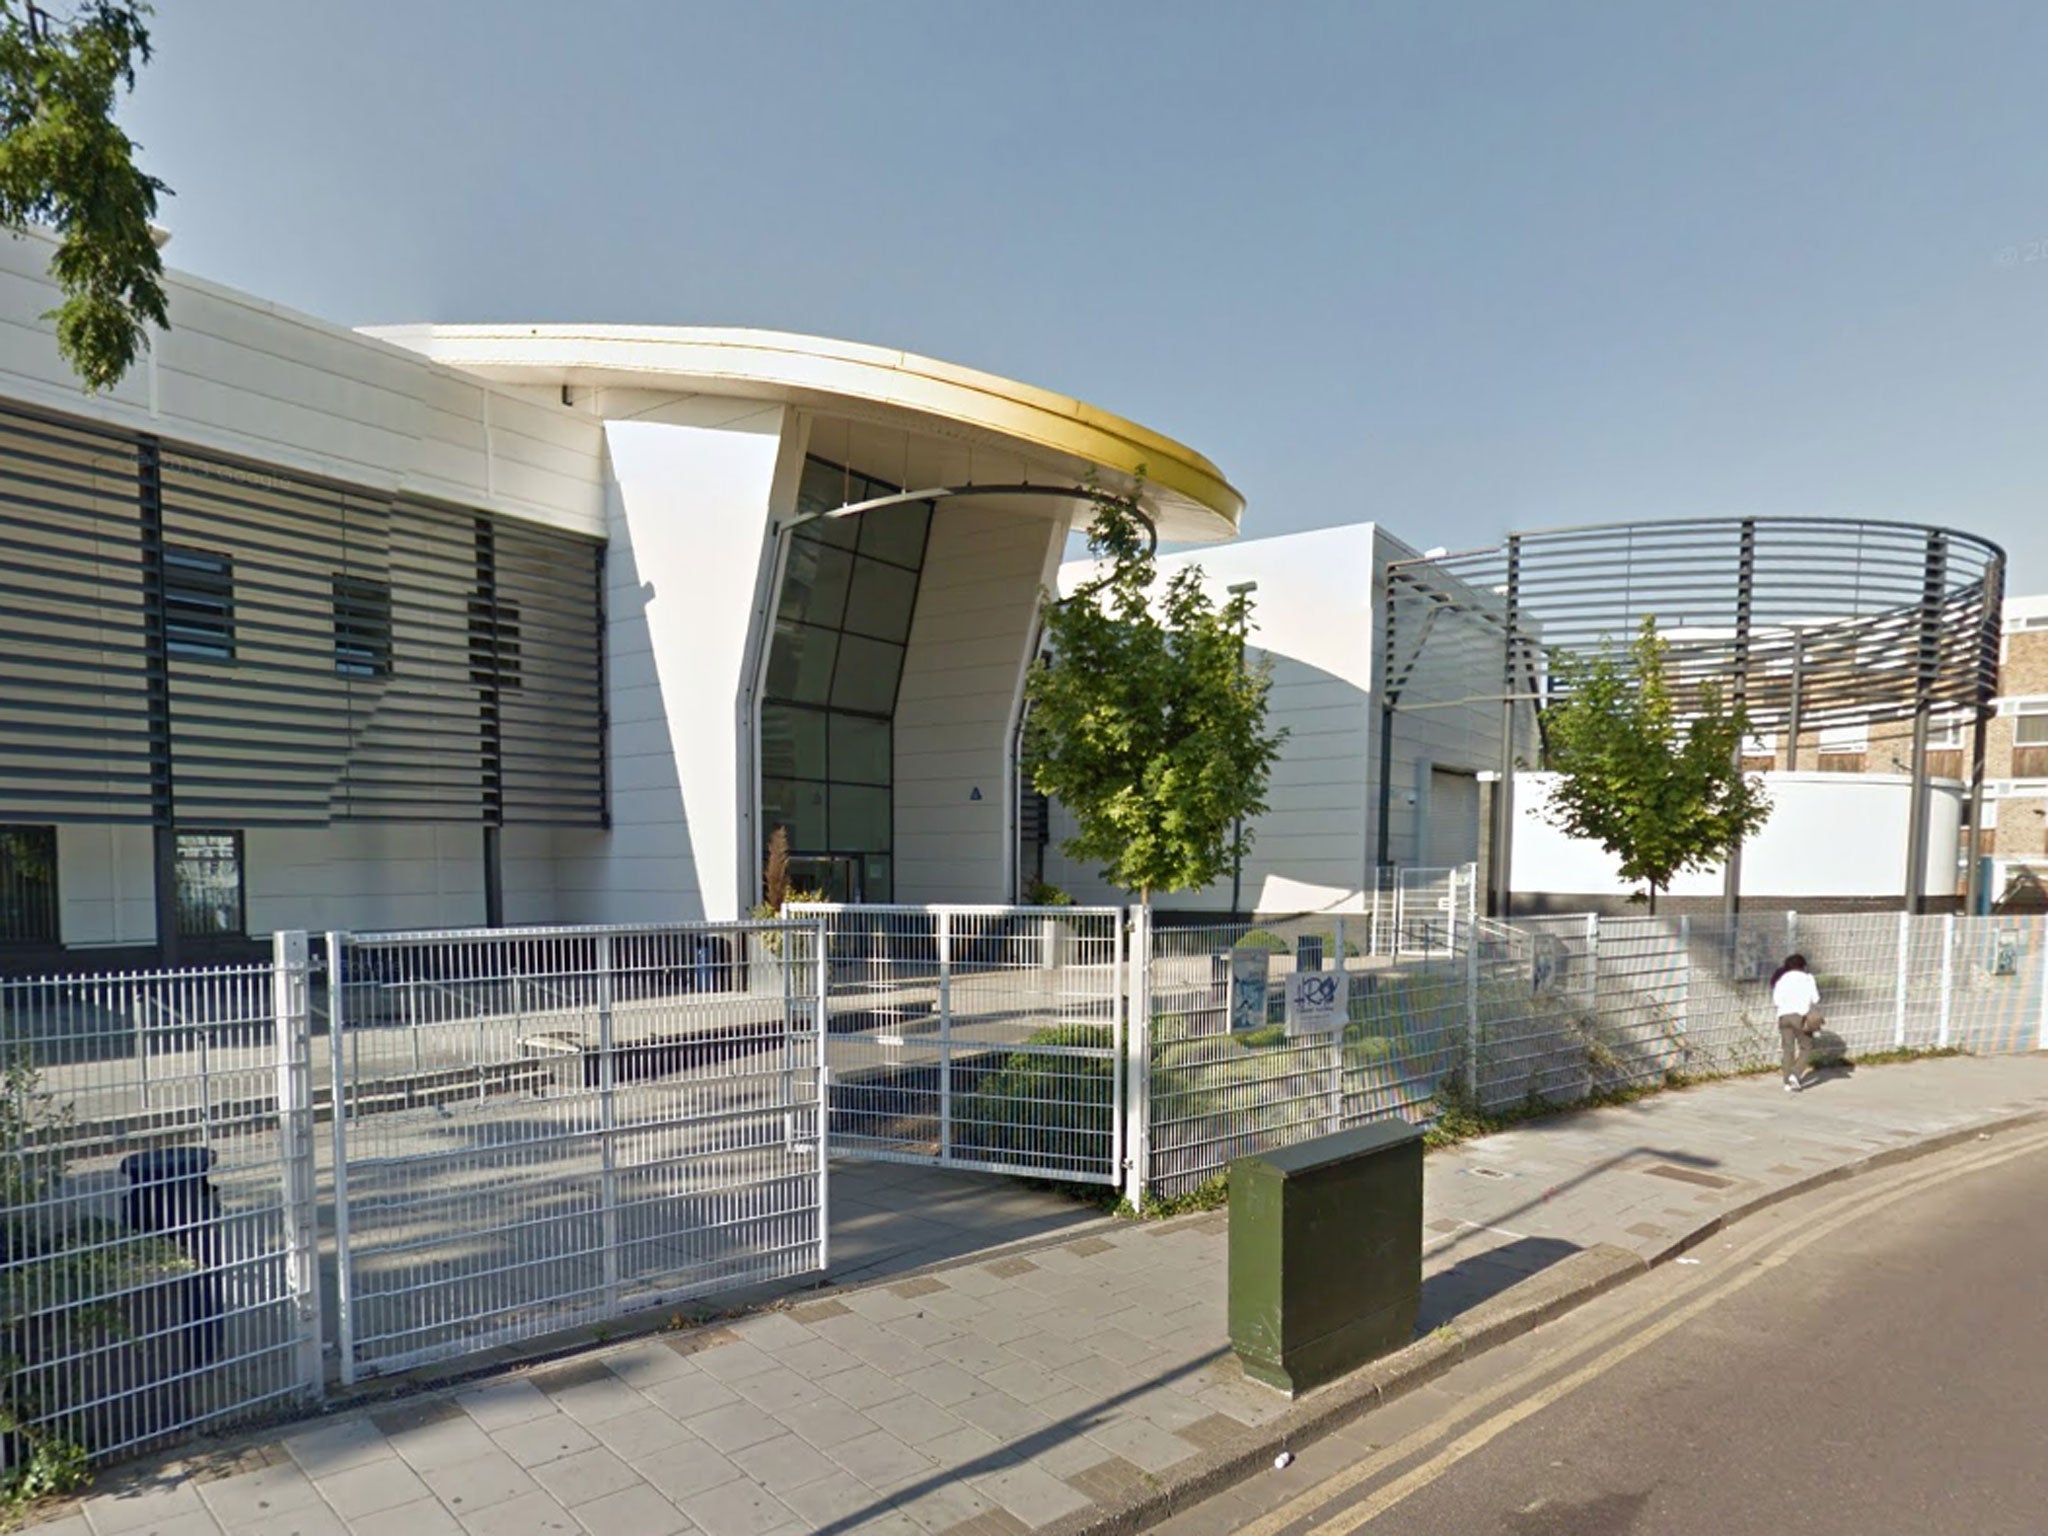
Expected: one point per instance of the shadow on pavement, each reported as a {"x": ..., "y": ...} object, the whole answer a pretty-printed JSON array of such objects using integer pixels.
[{"x": 1483, "y": 1276}]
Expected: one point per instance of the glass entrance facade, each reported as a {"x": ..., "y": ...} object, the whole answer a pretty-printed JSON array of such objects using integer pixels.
[{"x": 842, "y": 625}]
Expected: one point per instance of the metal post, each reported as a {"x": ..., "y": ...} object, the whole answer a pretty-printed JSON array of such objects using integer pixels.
[
  {"x": 607, "y": 1113},
  {"x": 1974, "y": 902},
  {"x": 1472, "y": 1024},
  {"x": 1792, "y": 707},
  {"x": 1948, "y": 977},
  {"x": 1905, "y": 960},
  {"x": 1592, "y": 964},
  {"x": 1745, "y": 592},
  {"x": 2040, "y": 949},
  {"x": 337, "y": 1097},
  {"x": 1916, "y": 818},
  {"x": 1119, "y": 1045},
  {"x": 1138, "y": 1058},
  {"x": 1684, "y": 1009},
  {"x": 294, "y": 1050},
  {"x": 821, "y": 985},
  {"x": 945, "y": 1037}
]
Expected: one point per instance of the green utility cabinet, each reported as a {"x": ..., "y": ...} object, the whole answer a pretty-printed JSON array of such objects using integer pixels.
[{"x": 1326, "y": 1254}]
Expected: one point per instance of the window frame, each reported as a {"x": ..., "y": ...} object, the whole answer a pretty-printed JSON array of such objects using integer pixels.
[
  {"x": 361, "y": 607},
  {"x": 198, "y": 582},
  {"x": 53, "y": 899},
  {"x": 1857, "y": 735},
  {"x": 237, "y": 843},
  {"x": 2028, "y": 709}
]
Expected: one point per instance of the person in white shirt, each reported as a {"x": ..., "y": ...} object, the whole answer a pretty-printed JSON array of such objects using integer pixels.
[{"x": 1794, "y": 994}]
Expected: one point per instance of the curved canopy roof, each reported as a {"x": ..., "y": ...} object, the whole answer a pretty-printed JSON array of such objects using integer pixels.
[{"x": 1186, "y": 493}]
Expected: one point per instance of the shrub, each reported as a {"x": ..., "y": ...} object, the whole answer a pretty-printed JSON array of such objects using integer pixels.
[{"x": 1037, "y": 1107}]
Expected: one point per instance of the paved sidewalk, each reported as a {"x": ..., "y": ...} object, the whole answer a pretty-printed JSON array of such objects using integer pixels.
[{"x": 995, "y": 1395}]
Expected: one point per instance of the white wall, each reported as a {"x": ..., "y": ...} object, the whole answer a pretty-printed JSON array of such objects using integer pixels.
[
  {"x": 970, "y": 640},
  {"x": 106, "y": 885},
  {"x": 1830, "y": 834},
  {"x": 1313, "y": 617},
  {"x": 243, "y": 376},
  {"x": 693, "y": 487},
  {"x": 363, "y": 877}
]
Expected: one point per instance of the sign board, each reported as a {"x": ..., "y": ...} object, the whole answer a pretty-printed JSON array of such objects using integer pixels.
[
  {"x": 1318, "y": 1002},
  {"x": 1248, "y": 989}
]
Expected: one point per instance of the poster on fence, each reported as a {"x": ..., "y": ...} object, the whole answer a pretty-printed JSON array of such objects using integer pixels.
[
  {"x": 1317, "y": 1002},
  {"x": 1248, "y": 989}
]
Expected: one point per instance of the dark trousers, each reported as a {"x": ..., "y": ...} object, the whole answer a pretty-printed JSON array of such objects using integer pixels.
[{"x": 1797, "y": 1042}]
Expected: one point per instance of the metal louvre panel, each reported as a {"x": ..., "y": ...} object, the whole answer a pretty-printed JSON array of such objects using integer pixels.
[
  {"x": 551, "y": 725},
  {"x": 1875, "y": 620},
  {"x": 316, "y": 719},
  {"x": 74, "y": 737}
]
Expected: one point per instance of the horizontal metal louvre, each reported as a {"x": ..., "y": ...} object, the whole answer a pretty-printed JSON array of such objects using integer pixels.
[
  {"x": 325, "y": 664},
  {"x": 74, "y": 735},
  {"x": 1831, "y": 620}
]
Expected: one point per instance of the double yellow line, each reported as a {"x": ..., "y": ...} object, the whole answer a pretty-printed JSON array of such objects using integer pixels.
[{"x": 1735, "y": 1272}]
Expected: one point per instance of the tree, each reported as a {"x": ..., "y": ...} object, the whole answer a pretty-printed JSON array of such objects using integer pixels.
[
  {"x": 1145, "y": 721},
  {"x": 1659, "y": 787},
  {"x": 65, "y": 164}
]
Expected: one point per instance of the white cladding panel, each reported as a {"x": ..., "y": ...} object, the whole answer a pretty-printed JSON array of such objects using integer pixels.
[
  {"x": 243, "y": 376},
  {"x": 985, "y": 565},
  {"x": 691, "y": 497}
]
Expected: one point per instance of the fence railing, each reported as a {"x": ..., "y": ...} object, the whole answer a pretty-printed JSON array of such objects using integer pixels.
[
  {"x": 158, "y": 1259},
  {"x": 982, "y": 1038},
  {"x": 1541, "y": 1010},
  {"x": 531, "y": 1129},
  {"x": 545, "y": 1128}
]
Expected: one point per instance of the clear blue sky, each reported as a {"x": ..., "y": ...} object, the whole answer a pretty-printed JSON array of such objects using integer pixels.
[{"x": 1459, "y": 268}]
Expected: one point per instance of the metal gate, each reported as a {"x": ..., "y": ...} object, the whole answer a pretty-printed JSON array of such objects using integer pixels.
[
  {"x": 985, "y": 1038},
  {"x": 541, "y": 1128},
  {"x": 1434, "y": 909}
]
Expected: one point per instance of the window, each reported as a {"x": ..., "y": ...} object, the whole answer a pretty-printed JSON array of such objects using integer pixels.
[
  {"x": 362, "y": 627},
  {"x": 1948, "y": 733},
  {"x": 28, "y": 885},
  {"x": 2030, "y": 723},
  {"x": 2034, "y": 621},
  {"x": 1842, "y": 740},
  {"x": 842, "y": 629},
  {"x": 199, "y": 605},
  {"x": 208, "y": 876}
]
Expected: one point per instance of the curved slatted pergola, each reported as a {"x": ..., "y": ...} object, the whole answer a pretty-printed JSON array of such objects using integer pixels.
[{"x": 1806, "y": 621}]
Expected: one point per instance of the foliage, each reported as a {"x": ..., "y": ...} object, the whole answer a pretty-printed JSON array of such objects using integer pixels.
[
  {"x": 1266, "y": 939},
  {"x": 1212, "y": 1194},
  {"x": 1041, "y": 893},
  {"x": 1145, "y": 721},
  {"x": 775, "y": 874},
  {"x": 1652, "y": 779},
  {"x": 1035, "y": 1106},
  {"x": 38, "y": 1464},
  {"x": 775, "y": 891},
  {"x": 65, "y": 164}
]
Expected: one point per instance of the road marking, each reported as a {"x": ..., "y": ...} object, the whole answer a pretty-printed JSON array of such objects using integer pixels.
[
  {"x": 1384, "y": 1499},
  {"x": 1718, "y": 1280}
]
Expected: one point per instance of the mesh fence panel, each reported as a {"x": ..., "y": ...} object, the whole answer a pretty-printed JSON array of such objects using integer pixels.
[
  {"x": 143, "y": 1244},
  {"x": 545, "y": 1129},
  {"x": 975, "y": 1037}
]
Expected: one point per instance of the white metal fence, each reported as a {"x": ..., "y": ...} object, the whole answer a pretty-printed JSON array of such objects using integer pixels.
[
  {"x": 158, "y": 1248},
  {"x": 532, "y": 1129},
  {"x": 983, "y": 1038},
  {"x": 1542, "y": 1010},
  {"x": 547, "y": 1127}
]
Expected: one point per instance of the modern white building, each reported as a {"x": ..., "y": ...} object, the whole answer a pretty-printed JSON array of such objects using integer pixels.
[
  {"x": 1319, "y": 617},
  {"x": 304, "y": 627}
]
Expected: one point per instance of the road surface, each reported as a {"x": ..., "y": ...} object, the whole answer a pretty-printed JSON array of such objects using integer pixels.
[{"x": 1869, "y": 1359}]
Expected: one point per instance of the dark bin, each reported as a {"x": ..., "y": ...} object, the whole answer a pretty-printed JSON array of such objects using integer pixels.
[
  {"x": 170, "y": 1196},
  {"x": 1326, "y": 1254}
]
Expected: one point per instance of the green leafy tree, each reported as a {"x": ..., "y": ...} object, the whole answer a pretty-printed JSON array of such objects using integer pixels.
[
  {"x": 1145, "y": 721},
  {"x": 1657, "y": 785},
  {"x": 64, "y": 163}
]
